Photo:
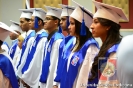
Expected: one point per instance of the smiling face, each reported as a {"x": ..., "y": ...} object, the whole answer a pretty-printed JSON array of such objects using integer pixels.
[{"x": 98, "y": 30}]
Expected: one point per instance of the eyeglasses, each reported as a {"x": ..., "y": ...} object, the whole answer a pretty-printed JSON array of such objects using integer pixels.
[{"x": 47, "y": 19}]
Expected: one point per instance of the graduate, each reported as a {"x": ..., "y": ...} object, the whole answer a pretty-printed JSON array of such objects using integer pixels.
[
  {"x": 24, "y": 24},
  {"x": 51, "y": 55},
  {"x": 106, "y": 26},
  {"x": 124, "y": 62},
  {"x": 30, "y": 34},
  {"x": 7, "y": 75},
  {"x": 14, "y": 50},
  {"x": 33, "y": 66},
  {"x": 67, "y": 42},
  {"x": 79, "y": 27}
]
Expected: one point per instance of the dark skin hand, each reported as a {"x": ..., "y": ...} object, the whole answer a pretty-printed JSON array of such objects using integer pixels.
[{"x": 24, "y": 84}]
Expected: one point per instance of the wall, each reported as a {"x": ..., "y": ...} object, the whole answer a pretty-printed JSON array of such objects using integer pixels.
[{"x": 9, "y": 11}]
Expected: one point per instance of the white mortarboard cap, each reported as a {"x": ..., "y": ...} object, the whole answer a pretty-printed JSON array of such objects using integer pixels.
[
  {"x": 53, "y": 11},
  {"x": 109, "y": 12},
  {"x": 5, "y": 31},
  {"x": 66, "y": 10},
  {"x": 26, "y": 13},
  {"x": 39, "y": 12},
  {"x": 15, "y": 26},
  {"x": 81, "y": 13}
]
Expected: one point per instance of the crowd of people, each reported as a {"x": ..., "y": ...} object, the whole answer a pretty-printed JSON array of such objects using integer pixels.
[{"x": 42, "y": 57}]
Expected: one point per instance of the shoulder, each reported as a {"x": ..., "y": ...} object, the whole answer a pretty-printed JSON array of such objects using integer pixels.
[
  {"x": 4, "y": 60},
  {"x": 93, "y": 48}
]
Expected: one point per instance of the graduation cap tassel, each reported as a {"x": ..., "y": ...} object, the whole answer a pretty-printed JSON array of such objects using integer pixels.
[
  {"x": 36, "y": 22},
  {"x": 83, "y": 27},
  {"x": 60, "y": 30}
]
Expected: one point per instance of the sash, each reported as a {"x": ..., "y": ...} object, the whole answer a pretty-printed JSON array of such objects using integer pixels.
[
  {"x": 8, "y": 70},
  {"x": 68, "y": 42},
  {"x": 32, "y": 34},
  {"x": 112, "y": 49},
  {"x": 13, "y": 49},
  {"x": 46, "y": 62},
  {"x": 69, "y": 76},
  {"x": 33, "y": 50}
]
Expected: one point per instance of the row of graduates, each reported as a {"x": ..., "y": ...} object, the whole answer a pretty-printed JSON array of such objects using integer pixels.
[{"x": 49, "y": 59}]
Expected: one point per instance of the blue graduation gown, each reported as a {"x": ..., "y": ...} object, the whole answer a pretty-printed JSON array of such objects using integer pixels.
[
  {"x": 46, "y": 62},
  {"x": 66, "y": 45},
  {"x": 32, "y": 34},
  {"x": 33, "y": 50},
  {"x": 8, "y": 70},
  {"x": 68, "y": 77}
]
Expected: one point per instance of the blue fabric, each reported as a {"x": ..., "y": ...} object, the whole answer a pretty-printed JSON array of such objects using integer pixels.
[
  {"x": 32, "y": 51},
  {"x": 8, "y": 70},
  {"x": 46, "y": 62},
  {"x": 36, "y": 22},
  {"x": 32, "y": 34},
  {"x": 13, "y": 50},
  {"x": 59, "y": 29},
  {"x": 65, "y": 45},
  {"x": 68, "y": 77}
]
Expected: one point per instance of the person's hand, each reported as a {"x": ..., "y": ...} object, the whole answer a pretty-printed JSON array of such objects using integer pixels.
[
  {"x": 55, "y": 86},
  {"x": 24, "y": 84}
]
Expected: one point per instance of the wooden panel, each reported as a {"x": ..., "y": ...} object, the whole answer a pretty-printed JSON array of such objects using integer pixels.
[
  {"x": 31, "y": 4},
  {"x": 42, "y": 3}
]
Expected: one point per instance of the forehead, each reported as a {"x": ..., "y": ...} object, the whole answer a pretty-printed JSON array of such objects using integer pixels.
[
  {"x": 32, "y": 17},
  {"x": 71, "y": 19},
  {"x": 95, "y": 19},
  {"x": 48, "y": 16},
  {"x": 63, "y": 17},
  {"x": 22, "y": 19}
]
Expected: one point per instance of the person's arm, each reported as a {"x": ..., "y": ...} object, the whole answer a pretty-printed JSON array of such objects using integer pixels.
[
  {"x": 86, "y": 66},
  {"x": 4, "y": 81}
]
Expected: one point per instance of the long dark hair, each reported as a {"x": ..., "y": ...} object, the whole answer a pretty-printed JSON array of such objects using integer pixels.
[
  {"x": 113, "y": 37},
  {"x": 82, "y": 39},
  {"x": 1, "y": 42}
]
